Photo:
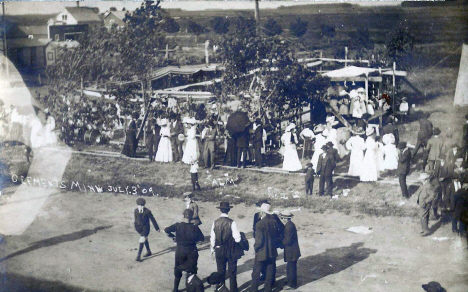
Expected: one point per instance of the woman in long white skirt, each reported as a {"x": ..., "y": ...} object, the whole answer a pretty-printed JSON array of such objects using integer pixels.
[
  {"x": 50, "y": 137},
  {"x": 320, "y": 140},
  {"x": 191, "y": 152},
  {"x": 369, "y": 171},
  {"x": 356, "y": 145},
  {"x": 390, "y": 152},
  {"x": 164, "y": 153},
  {"x": 37, "y": 133},
  {"x": 289, "y": 139}
]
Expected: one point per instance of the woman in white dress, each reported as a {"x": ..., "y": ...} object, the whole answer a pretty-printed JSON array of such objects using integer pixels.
[
  {"x": 164, "y": 153},
  {"x": 320, "y": 140},
  {"x": 379, "y": 154},
  {"x": 356, "y": 145},
  {"x": 191, "y": 152},
  {"x": 390, "y": 152},
  {"x": 369, "y": 171},
  {"x": 289, "y": 139},
  {"x": 49, "y": 136},
  {"x": 37, "y": 132}
]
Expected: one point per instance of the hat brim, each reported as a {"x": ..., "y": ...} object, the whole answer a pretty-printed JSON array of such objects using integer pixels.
[
  {"x": 228, "y": 207},
  {"x": 260, "y": 209}
]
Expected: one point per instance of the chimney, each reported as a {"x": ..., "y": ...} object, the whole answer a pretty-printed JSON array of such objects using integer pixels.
[{"x": 77, "y": 3}]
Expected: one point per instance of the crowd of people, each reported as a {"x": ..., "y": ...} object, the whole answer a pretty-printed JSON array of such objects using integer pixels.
[{"x": 271, "y": 231}]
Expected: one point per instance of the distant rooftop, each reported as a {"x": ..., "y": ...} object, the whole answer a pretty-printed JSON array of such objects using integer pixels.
[{"x": 84, "y": 14}]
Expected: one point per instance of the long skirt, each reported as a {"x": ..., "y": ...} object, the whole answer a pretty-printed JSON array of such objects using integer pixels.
[{"x": 164, "y": 153}]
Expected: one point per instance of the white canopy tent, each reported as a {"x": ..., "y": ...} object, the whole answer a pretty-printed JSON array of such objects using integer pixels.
[{"x": 461, "y": 92}]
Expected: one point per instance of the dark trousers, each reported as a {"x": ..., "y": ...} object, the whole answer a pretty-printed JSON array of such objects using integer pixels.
[
  {"x": 177, "y": 152},
  {"x": 309, "y": 186},
  {"x": 436, "y": 202},
  {"x": 291, "y": 274},
  {"x": 209, "y": 157},
  {"x": 325, "y": 180},
  {"x": 419, "y": 144},
  {"x": 458, "y": 206},
  {"x": 270, "y": 266},
  {"x": 221, "y": 263},
  {"x": 403, "y": 186},
  {"x": 151, "y": 147},
  {"x": 424, "y": 216},
  {"x": 258, "y": 157},
  {"x": 242, "y": 152},
  {"x": 194, "y": 178},
  {"x": 446, "y": 187},
  {"x": 186, "y": 257}
]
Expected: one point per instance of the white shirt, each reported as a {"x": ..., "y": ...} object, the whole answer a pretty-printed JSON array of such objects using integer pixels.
[
  {"x": 235, "y": 232},
  {"x": 194, "y": 168},
  {"x": 404, "y": 107},
  {"x": 307, "y": 133},
  {"x": 189, "y": 279}
]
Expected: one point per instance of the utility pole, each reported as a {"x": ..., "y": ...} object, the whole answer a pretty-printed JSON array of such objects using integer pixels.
[
  {"x": 257, "y": 12},
  {"x": 5, "y": 46}
]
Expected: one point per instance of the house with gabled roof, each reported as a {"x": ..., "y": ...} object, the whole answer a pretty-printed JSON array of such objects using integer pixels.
[
  {"x": 71, "y": 22},
  {"x": 114, "y": 18}
]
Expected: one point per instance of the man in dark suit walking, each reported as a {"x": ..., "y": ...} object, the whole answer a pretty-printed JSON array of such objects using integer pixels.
[
  {"x": 224, "y": 235},
  {"x": 424, "y": 133},
  {"x": 186, "y": 235},
  {"x": 325, "y": 167},
  {"x": 266, "y": 243},
  {"x": 176, "y": 129},
  {"x": 210, "y": 145},
  {"x": 291, "y": 250},
  {"x": 258, "y": 143},
  {"x": 242, "y": 143},
  {"x": 404, "y": 161}
]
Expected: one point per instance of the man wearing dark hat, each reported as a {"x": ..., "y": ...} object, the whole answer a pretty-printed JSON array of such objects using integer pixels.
[
  {"x": 176, "y": 128},
  {"x": 404, "y": 161},
  {"x": 193, "y": 283},
  {"x": 267, "y": 240},
  {"x": 209, "y": 154},
  {"x": 258, "y": 142},
  {"x": 186, "y": 235},
  {"x": 391, "y": 128},
  {"x": 142, "y": 226},
  {"x": 424, "y": 133},
  {"x": 433, "y": 287},
  {"x": 309, "y": 178},
  {"x": 218, "y": 280},
  {"x": 192, "y": 205},
  {"x": 291, "y": 250},
  {"x": 224, "y": 235},
  {"x": 325, "y": 166}
]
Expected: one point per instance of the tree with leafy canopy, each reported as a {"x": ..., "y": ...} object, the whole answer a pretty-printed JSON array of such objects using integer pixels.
[
  {"x": 258, "y": 64},
  {"x": 195, "y": 28},
  {"x": 272, "y": 27},
  {"x": 220, "y": 25},
  {"x": 298, "y": 28},
  {"x": 169, "y": 25},
  {"x": 399, "y": 45},
  {"x": 327, "y": 31}
]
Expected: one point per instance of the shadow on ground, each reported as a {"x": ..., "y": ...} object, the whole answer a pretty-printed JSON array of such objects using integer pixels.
[
  {"x": 17, "y": 283},
  {"x": 56, "y": 240},
  {"x": 315, "y": 267}
]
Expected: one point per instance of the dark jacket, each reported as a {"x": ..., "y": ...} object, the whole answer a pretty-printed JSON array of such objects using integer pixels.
[
  {"x": 149, "y": 131},
  {"x": 435, "y": 146},
  {"x": 258, "y": 137},
  {"x": 444, "y": 172},
  {"x": 266, "y": 239},
  {"x": 326, "y": 164},
  {"x": 186, "y": 234},
  {"x": 425, "y": 130},
  {"x": 291, "y": 243},
  {"x": 177, "y": 129},
  {"x": 242, "y": 139},
  {"x": 195, "y": 285},
  {"x": 404, "y": 161},
  {"x": 142, "y": 222},
  {"x": 210, "y": 139},
  {"x": 309, "y": 177},
  {"x": 426, "y": 194},
  {"x": 278, "y": 221}
]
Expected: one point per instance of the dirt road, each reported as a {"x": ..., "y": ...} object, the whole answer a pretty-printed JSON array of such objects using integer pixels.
[{"x": 86, "y": 241}]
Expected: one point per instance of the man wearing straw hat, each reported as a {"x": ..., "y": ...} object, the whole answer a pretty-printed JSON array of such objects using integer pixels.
[
  {"x": 426, "y": 195},
  {"x": 291, "y": 250},
  {"x": 267, "y": 240},
  {"x": 224, "y": 235}
]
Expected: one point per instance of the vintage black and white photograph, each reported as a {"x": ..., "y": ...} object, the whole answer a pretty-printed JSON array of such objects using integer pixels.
[{"x": 235, "y": 146}]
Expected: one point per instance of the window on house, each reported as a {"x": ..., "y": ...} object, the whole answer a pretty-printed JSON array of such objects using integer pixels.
[
  {"x": 64, "y": 17},
  {"x": 50, "y": 56},
  {"x": 57, "y": 37}
]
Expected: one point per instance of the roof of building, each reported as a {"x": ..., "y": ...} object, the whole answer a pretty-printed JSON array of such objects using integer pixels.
[
  {"x": 33, "y": 29},
  {"x": 184, "y": 70},
  {"x": 118, "y": 14},
  {"x": 27, "y": 43},
  {"x": 84, "y": 14}
]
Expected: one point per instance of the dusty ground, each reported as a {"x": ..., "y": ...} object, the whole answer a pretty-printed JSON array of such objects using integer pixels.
[{"x": 86, "y": 242}]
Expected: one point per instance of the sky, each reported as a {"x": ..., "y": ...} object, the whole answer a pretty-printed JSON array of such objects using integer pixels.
[{"x": 51, "y": 7}]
